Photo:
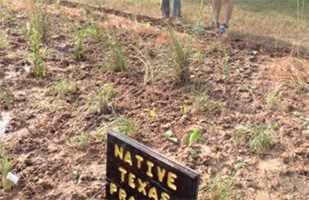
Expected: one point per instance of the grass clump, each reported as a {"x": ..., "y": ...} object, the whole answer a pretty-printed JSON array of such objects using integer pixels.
[
  {"x": 207, "y": 105},
  {"x": 7, "y": 97},
  {"x": 5, "y": 167},
  {"x": 118, "y": 60},
  {"x": 39, "y": 20},
  {"x": 99, "y": 103},
  {"x": 181, "y": 55},
  {"x": 78, "y": 141},
  {"x": 272, "y": 99},
  {"x": 221, "y": 188},
  {"x": 79, "y": 48},
  {"x": 255, "y": 137},
  {"x": 3, "y": 40},
  {"x": 93, "y": 29},
  {"x": 122, "y": 125},
  {"x": 37, "y": 33},
  {"x": 225, "y": 65},
  {"x": 64, "y": 87}
]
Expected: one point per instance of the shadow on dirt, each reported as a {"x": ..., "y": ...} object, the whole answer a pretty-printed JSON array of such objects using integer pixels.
[
  {"x": 239, "y": 40},
  {"x": 267, "y": 45}
]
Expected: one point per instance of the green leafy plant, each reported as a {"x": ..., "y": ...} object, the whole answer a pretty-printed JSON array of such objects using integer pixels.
[
  {"x": 194, "y": 136},
  {"x": 79, "y": 141},
  {"x": 220, "y": 188},
  {"x": 255, "y": 137},
  {"x": 5, "y": 167},
  {"x": 181, "y": 55}
]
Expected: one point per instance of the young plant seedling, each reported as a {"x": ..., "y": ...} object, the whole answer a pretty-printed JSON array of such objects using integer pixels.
[
  {"x": 170, "y": 135},
  {"x": 185, "y": 111},
  {"x": 193, "y": 137},
  {"x": 77, "y": 176}
]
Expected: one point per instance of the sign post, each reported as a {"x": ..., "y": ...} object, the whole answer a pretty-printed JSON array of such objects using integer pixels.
[{"x": 135, "y": 172}]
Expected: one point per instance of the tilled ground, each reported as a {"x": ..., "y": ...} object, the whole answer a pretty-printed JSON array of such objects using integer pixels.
[{"x": 41, "y": 122}]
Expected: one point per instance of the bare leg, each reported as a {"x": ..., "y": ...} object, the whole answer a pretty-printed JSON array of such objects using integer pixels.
[
  {"x": 228, "y": 12},
  {"x": 216, "y": 6}
]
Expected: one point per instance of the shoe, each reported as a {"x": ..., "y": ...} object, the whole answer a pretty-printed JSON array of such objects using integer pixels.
[
  {"x": 212, "y": 26},
  {"x": 223, "y": 28}
]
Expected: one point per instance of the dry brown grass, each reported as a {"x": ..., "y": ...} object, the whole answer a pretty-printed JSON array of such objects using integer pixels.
[{"x": 289, "y": 68}]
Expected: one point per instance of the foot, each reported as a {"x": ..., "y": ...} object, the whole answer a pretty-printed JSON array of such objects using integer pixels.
[
  {"x": 223, "y": 28},
  {"x": 212, "y": 26},
  {"x": 165, "y": 19},
  {"x": 178, "y": 20}
]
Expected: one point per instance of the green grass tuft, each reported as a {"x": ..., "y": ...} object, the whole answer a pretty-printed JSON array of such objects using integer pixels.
[{"x": 220, "y": 188}]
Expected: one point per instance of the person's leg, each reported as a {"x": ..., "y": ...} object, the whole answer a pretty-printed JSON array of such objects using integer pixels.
[
  {"x": 165, "y": 8},
  {"x": 177, "y": 8},
  {"x": 228, "y": 12},
  {"x": 216, "y": 6}
]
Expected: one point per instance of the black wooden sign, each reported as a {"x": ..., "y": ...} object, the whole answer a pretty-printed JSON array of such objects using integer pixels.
[{"x": 135, "y": 172}]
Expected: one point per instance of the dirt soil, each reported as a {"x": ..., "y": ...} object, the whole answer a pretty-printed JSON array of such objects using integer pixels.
[{"x": 41, "y": 122}]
